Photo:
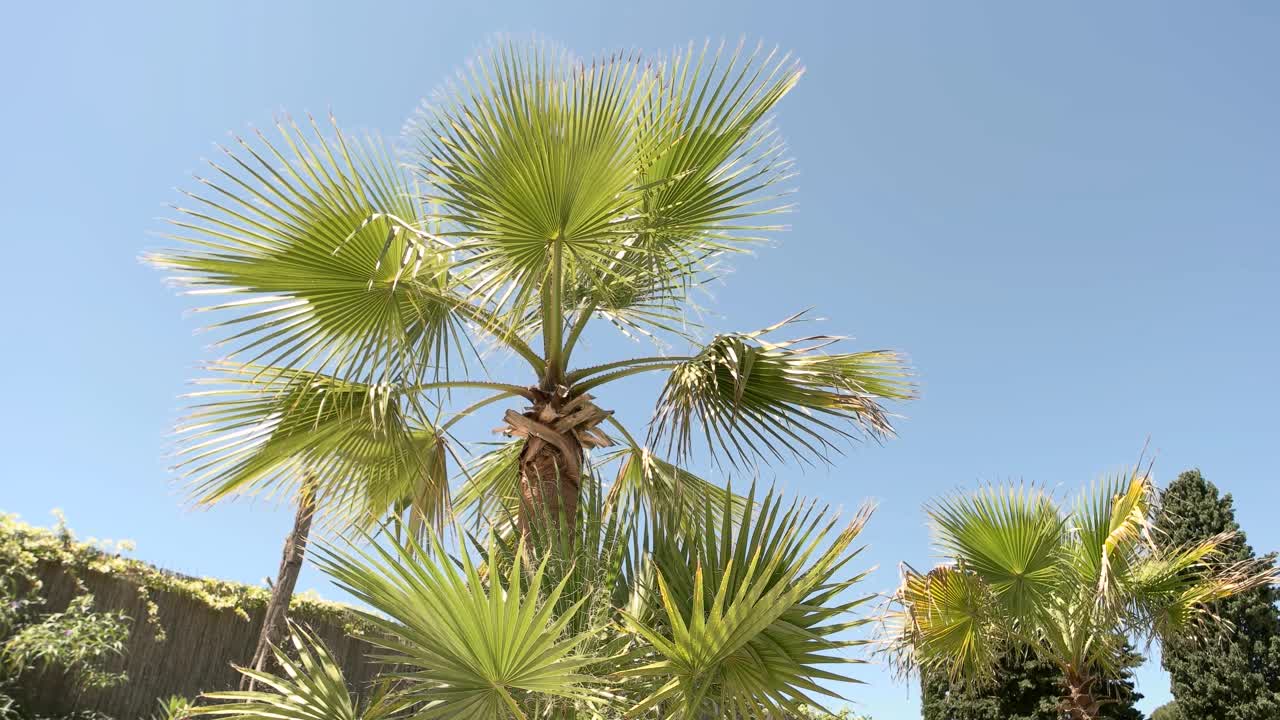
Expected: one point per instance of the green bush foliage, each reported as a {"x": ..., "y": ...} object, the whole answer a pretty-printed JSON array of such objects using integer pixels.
[
  {"x": 1027, "y": 688},
  {"x": 77, "y": 640},
  {"x": 23, "y": 547},
  {"x": 83, "y": 642}
]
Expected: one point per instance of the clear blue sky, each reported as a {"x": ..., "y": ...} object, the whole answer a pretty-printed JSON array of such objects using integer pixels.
[{"x": 1068, "y": 215}]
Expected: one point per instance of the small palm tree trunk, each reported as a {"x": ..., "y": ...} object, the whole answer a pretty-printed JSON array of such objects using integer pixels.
[
  {"x": 557, "y": 432},
  {"x": 275, "y": 621},
  {"x": 1080, "y": 702}
]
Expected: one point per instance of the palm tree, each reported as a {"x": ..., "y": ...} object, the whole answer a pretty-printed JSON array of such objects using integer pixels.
[
  {"x": 1070, "y": 586},
  {"x": 361, "y": 300}
]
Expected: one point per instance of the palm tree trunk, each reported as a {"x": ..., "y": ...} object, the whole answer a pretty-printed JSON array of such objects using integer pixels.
[
  {"x": 1080, "y": 702},
  {"x": 557, "y": 431},
  {"x": 275, "y": 621}
]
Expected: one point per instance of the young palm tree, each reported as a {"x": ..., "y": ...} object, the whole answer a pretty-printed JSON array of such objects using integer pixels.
[
  {"x": 1070, "y": 586},
  {"x": 358, "y": 297}
]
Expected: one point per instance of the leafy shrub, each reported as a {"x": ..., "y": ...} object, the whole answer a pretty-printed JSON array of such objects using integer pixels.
[{"x": 78, "y": 641}]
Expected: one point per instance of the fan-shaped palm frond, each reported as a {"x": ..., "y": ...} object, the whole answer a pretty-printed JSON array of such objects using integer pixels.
[
  {"x": 710, "y": 169},
  {"x": 490, "y": 490},
  {"x": 294, "y": 236},
  {"x": 602, "y": 187},
  {"x": 756, "y": 399},
  {"x": 597, "y": 559},
  {"x": 466, "y": 645},
  {"x": 364, "y": 447},
  {"x": 532, "y": 162},
  {"x": 1011, "y": 538},
  {"x": 748, "y": 613},
  {"x": 1111, "y": 522},
  {"x": 953, "y": 623},
  {"x": 716, "y": 158}
]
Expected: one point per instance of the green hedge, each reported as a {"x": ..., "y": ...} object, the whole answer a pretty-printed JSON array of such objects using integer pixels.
[{"x": 186, "y": 631}]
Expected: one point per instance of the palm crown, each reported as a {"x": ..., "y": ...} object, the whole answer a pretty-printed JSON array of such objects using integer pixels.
[
  {"x": 539, "y": 193},
  {"x": 357, "y": 298},
  {"x": 1070, "y": 586}
]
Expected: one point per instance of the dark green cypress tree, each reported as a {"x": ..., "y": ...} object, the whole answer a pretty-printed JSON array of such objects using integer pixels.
[
  {"x": 1234, "y": 672},
  {"x": 1026, "y": 688}
]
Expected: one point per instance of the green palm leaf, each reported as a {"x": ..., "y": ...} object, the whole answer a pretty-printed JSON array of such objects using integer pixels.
[
  {"x": 604, "y": 187},
  {"x": 748, "y": 612},
  {"x": 709, "y": 170},
  {"x": 466, "y": 645},
  {"x": 715, "y": 154},
  {"x": 756, "y": 399},
  {"x": 596, "y": 558},
  {"x": 950, "y": 623},
  {"x": 263, "y": 429},
  {"x": 294, "y": 235},
  {"x": 1111, "y": 529},
  {"x": 490, "y": 491},
  {"x": 530, "y": 159},
  {"x": 309, "y": 687},
  {"x": 1010, "y": 538}
]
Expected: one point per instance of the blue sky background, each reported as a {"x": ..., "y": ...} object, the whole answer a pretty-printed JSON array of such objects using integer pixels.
[{"x": 1067, "y": 214}]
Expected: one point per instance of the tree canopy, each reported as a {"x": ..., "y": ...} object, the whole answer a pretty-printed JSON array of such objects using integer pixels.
[
  {"x": 1068, "y": 585},
  {"x": 1233, "y": 671}
]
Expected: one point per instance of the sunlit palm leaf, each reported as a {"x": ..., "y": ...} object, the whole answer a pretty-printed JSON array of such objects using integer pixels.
[
  {"x": 310, "y": 686},
  {"x": 605, "y": 186},
  {"x": 1011, "y": 538},
  {"x": 716, "y": 159},
  {"x": 596, "y": 557},
  {"x": 710, "y": 170},
  {"x": 283, "y": 232},
  {"x": 1111, "y": 522},
  {"x": 756, "y": 399},
  {"x": 748, "y": 613},
  {"x": 467, "y": 646},
  {"x": 530, "y": 159},
  {"x": 1174, "y": 592},
  {"x": 263, "y": 429},
  {"x": 948, "y": 622}
]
